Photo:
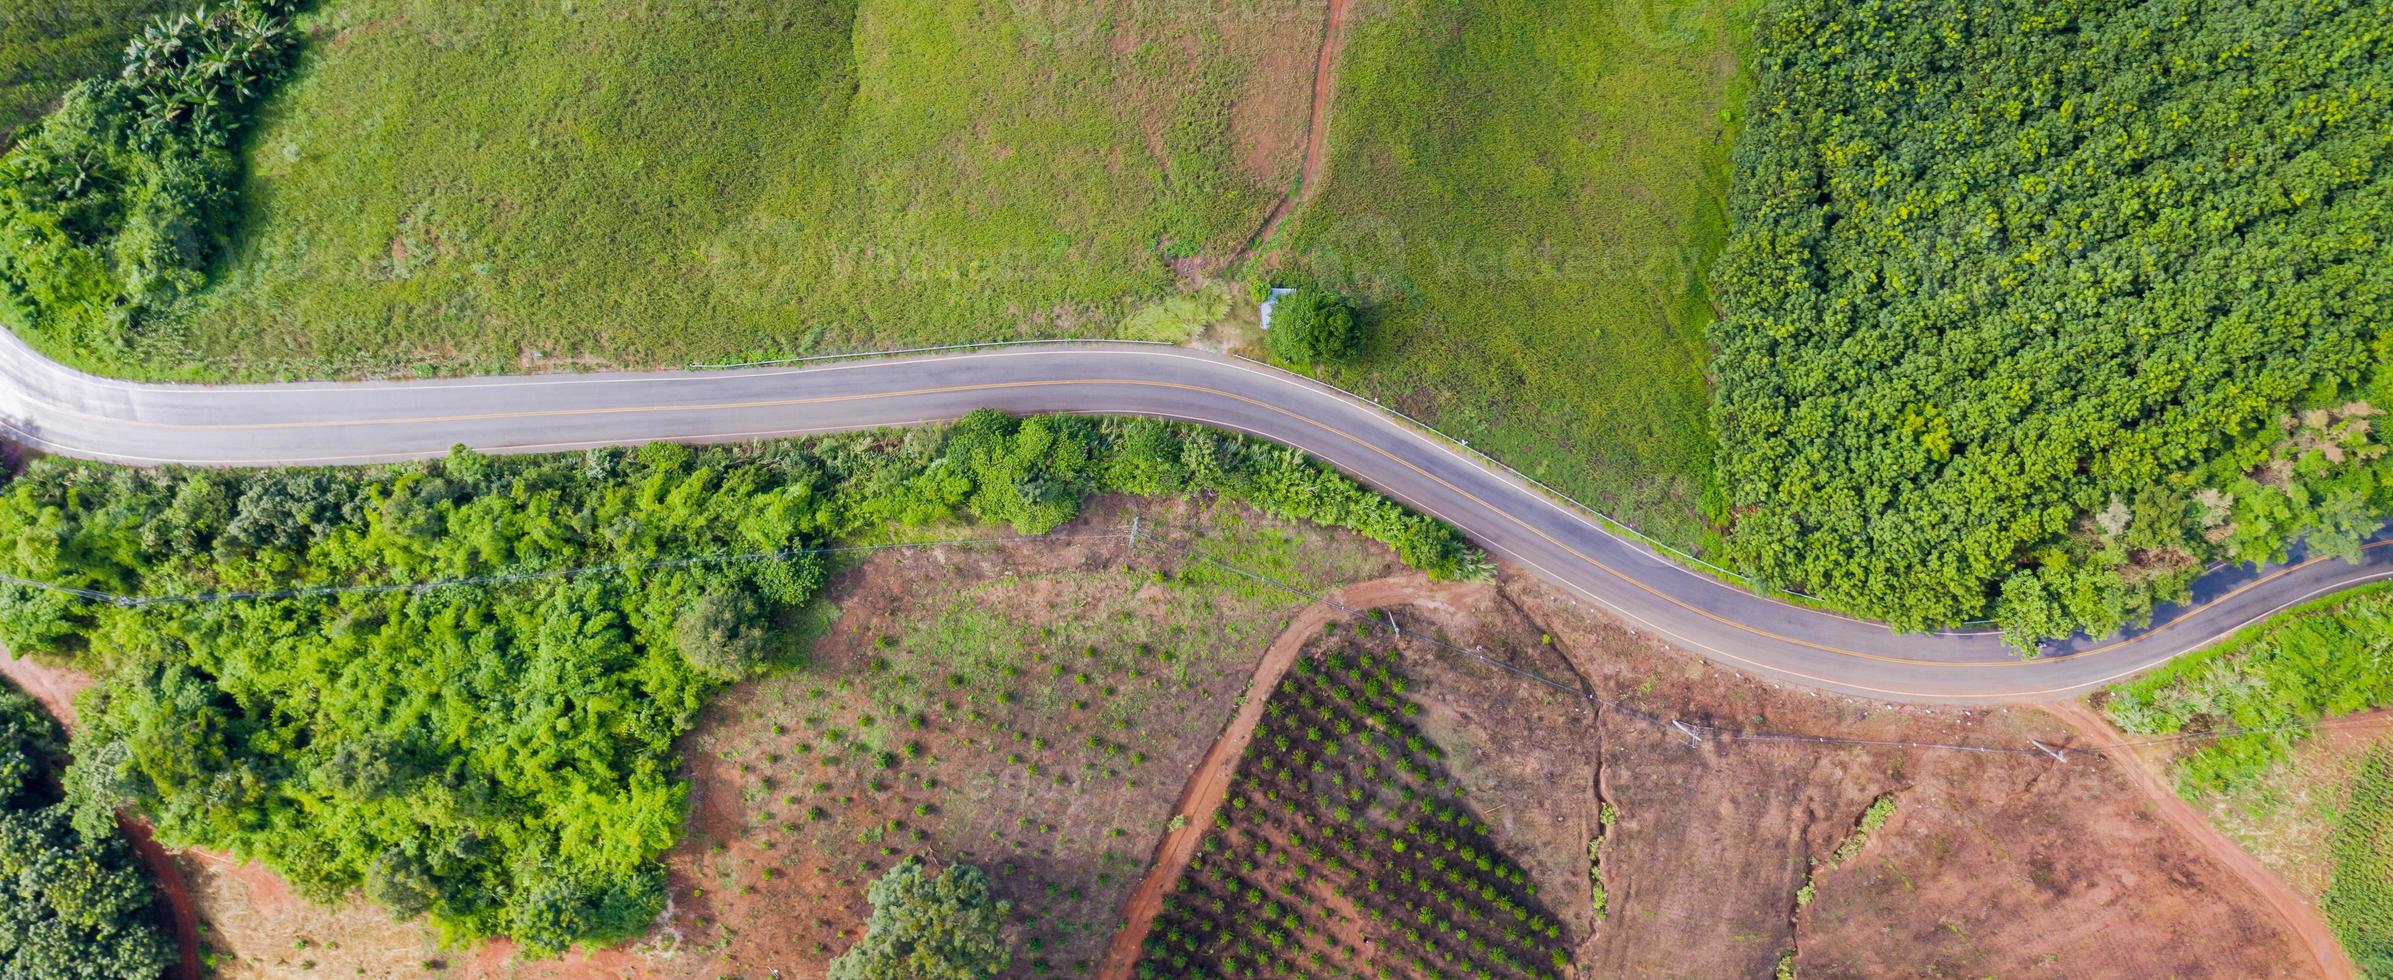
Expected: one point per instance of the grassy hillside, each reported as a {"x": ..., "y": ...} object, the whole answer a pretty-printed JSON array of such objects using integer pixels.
[
  {"x": 1522, "y": 195},
  {"x": 47, "y": 45},
  {"x": 481, "y": 185},
  {"x": 1527, "y": 193}
]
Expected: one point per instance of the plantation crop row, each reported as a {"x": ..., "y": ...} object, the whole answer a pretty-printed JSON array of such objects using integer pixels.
[
  {"x": 1343, "y": 847},
  {"x": 2032, "y": 310}
]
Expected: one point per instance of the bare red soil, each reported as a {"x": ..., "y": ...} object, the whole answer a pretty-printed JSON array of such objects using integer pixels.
[{"x": 2308, "y": 926}]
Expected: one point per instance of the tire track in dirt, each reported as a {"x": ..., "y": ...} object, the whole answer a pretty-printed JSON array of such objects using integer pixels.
[
  {"x": 1308, "y": 176},
  {"x": 2308, "y": 926},
  {"x": 55, "y": 689},
  {"x": 1209, "y": 782}
]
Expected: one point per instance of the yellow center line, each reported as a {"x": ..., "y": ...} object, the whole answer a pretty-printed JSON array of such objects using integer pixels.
[{"x": 1590, "y": 560}]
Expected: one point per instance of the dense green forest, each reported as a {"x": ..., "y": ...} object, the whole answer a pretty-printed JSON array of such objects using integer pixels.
[
  {"x": 73, "y": 903},
  {"x": 47, "y": 45},
  {"x": 2035, "y": 307},
  {"x": 499, "y": 755}
]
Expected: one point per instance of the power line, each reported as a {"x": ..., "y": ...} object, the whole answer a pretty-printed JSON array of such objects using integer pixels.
[
  {"x": 1140, "y": 532},
  {"x": 516, "y": 578}
]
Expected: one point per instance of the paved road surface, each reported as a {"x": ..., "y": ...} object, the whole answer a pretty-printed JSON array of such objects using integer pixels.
[{"x": 75, "y": 414}]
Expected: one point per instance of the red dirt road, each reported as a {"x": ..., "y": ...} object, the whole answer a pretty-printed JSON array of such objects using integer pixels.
[
  {"x": 2299, "y": 915},
  {"x": 55, "y": 688},
  {"x": 1210, "y": 781}
]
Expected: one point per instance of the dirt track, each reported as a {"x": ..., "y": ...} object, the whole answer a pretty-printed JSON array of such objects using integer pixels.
[
  {"x": 2308, "y": 926},
  {"x": 1210, "y": 781},
  {"x": 1325, "y": 85}
]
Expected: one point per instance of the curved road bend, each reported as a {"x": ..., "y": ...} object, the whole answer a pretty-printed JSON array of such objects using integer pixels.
[{"x": 63, "y": 411}]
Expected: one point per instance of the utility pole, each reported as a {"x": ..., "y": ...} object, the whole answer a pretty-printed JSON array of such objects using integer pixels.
[
  {"x": 2058, "y": 755},
  {"x": 1692, "y": 737}
]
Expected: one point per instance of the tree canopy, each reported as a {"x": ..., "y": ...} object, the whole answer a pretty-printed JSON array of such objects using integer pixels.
[
  {"x": 1311, "y": 325},
  {"x": 495, "y": 750},
  {"x": 2029, "y": 308},
  {"x": 929, "y": 926},
  {"x": 71, "y": 905}
]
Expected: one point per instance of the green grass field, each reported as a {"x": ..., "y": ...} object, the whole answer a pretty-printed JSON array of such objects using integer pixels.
[
  {"x": 475, "y": 186},
  {"x": 1528, "y": 194},
  {"x": 1523, "y": 195},
  {"x": 47, "y": 45}
]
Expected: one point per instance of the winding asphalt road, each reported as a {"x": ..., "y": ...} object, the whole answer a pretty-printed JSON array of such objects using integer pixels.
[{"x": 67, "y": 412}]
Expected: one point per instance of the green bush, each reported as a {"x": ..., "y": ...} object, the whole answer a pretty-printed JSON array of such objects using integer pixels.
[
  {"x": 500, "y": 757},
  {"x": 111, "y": 206},
  {"x": 1310, "y": 325},
  {"x": 2013, "y": 287},
  {"x": 71, "y": 904},
  {"x": 929, "y": 926},
  {"x": 2330, "y": 659}
]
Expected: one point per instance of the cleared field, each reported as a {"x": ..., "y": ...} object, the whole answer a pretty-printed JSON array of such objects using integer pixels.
[
  {"x": 1527, "y": 194},
  {"x": 480, "y": 186}
]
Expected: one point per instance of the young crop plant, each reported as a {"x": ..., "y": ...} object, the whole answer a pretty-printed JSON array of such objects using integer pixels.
[
  {"x": 1310, "y": 830},
  {"x": 502, "y": 651}
]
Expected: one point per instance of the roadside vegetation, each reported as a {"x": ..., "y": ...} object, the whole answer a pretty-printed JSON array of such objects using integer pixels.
[
  {"x": 1524, "y": 194},
  {"x": 48, "y": 45},
  {"x": 113, "y": 205},
  {"x": 2032, "y": 311},
  {"x": 497, "y": 754},
  {"x": 1310, "y": 326},
  {"x": 2261, "y": 691},
  {"x": 73, "y": 902},
  {"x": 2321, "y": 814},
  {"x": 1344, "y": 846}
]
